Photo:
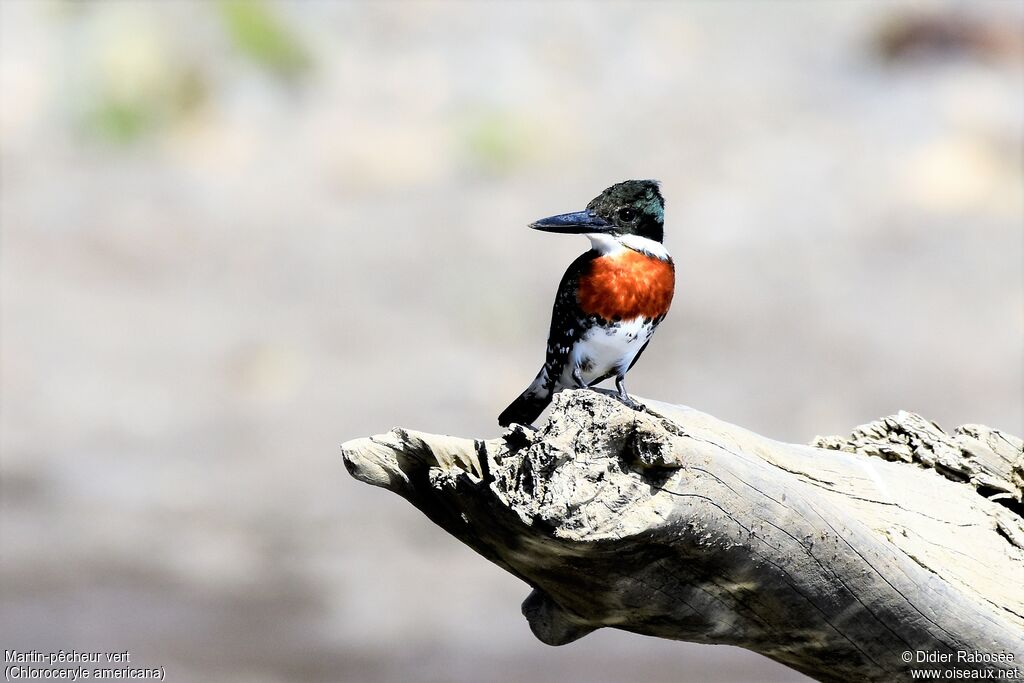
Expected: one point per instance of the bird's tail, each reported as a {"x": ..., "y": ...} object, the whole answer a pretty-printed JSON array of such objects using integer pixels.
[{"x": 530, "y": 404}]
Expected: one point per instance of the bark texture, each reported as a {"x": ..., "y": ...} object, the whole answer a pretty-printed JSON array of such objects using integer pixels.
[{"x": 834, "y": 559}]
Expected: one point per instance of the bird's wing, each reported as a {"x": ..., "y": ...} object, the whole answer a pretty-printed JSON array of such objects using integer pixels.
[{"x": 568, "y": 321}]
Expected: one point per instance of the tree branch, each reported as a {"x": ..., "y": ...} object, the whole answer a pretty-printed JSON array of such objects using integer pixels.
[{"x": 674, "y": 524}]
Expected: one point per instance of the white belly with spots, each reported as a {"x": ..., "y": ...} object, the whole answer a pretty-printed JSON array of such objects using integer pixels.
[{"x": 607, "y": 349}]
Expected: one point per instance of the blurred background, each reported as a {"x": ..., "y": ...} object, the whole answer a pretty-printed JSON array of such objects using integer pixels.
[{"x": 236, "y": 234}]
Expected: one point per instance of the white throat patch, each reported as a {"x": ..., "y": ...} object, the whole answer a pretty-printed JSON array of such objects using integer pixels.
[{"x": 605, "y": 244}]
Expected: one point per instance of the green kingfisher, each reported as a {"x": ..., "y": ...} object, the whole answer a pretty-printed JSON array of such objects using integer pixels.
[{"x": 610, "y": 299}]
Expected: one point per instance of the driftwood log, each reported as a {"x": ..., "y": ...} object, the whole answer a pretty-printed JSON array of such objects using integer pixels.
[{"x": 835, "y": 559}]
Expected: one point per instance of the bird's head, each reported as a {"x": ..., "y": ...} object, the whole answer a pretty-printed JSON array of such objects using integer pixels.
[{"x": 632, "y": 207}]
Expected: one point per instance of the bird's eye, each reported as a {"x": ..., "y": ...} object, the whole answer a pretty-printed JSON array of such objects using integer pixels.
[{"x": 627, "y": 214}]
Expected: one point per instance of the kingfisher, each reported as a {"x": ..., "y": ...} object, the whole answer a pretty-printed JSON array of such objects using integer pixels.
[{"x": 610, "y": 300}]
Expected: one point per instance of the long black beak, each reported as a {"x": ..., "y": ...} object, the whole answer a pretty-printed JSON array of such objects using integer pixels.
[{"x": 578, "y": 222}]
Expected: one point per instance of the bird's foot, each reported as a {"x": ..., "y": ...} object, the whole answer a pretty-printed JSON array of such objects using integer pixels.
[
  {"x": 630, "y": 403},
  {"x": 623, "y": 395}
]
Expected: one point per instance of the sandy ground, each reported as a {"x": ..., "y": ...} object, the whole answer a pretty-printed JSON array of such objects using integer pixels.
[{"x": 220, "y": 263}]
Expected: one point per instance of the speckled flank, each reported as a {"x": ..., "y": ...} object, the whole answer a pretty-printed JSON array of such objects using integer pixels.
[{"x": 606, "y": 350}]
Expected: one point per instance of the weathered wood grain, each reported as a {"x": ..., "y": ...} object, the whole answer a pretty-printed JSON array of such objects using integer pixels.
[{"x": 833, "y": 559}]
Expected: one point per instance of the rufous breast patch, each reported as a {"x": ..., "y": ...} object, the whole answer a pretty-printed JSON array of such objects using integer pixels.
[{"x": 626, "y": 285}]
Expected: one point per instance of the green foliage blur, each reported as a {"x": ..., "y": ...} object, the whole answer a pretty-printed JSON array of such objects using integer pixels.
[
  {"x": 142, "y": 77},
  {"x": 259, "y": 34}
]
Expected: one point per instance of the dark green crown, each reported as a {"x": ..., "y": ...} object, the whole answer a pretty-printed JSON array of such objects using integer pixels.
[{"x": 633, "y": 207}]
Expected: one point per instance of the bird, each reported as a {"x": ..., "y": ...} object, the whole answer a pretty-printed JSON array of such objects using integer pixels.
[{"x": 610, "y": 299}]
